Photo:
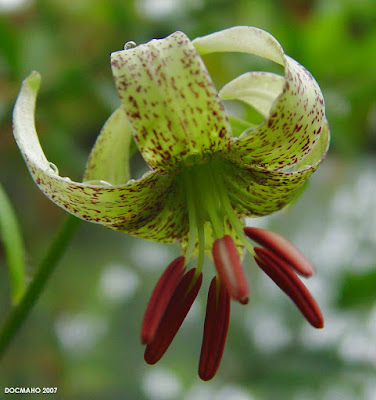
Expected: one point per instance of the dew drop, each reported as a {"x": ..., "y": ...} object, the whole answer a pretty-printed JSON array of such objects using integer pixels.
[
  {"x": 97, "y": 182},
  {"x": 54, "y": 168},
  {"x": 105, "y": 183},
  {"x": 129, "y": 45}
]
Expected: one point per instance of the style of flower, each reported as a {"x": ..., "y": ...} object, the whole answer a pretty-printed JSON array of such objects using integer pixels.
[{"x": 208, "y": 170}]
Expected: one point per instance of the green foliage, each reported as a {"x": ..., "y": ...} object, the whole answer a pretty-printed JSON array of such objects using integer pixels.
[
  {"x": 358, "y": 289},
  {"x": 11, "y": 237}
]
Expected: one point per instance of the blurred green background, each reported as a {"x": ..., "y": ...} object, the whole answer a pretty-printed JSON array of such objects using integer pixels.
[{"x": 82, "y": 336}]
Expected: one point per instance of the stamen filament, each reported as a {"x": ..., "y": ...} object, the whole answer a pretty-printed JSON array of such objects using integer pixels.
[
  {"x": 212, "y": 209},
  {"x": 192, "y": 219},
  {"x": 230, "y": 213},
  {"x": 201, "y": 248}
]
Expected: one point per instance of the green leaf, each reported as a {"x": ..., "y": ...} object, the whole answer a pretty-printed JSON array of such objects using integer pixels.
[
  {"x": 10, "y": 47},
  {"x": 170, "y": 101},
  {"x": 13, "y": 245},
  {"x": 358, "y": 289}
]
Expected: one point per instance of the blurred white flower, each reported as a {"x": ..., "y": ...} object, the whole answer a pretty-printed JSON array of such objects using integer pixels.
[
  {"x": 12, "y": 5},
  {"x": 149, "y": 256},
  {"x": 161, "y": 384},
  {"x": 78, "y": 333},
  {"x": 118, "y": 283},
  {"x": 233, "y": 392}
]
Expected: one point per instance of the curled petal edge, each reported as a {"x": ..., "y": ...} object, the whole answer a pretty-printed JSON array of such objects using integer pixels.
[
  {"x": 296, "y": 118},
  {"x": 100, "y": 202}
]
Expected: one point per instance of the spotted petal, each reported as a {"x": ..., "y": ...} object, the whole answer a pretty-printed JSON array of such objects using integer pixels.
[
  {"x": 258, "y": 191},
  {"x": 318, "y": 153},
  {"x": 296, "y": 117},
  {"x": 128, "y": 207},
  {"x": 170, "y": 102}
]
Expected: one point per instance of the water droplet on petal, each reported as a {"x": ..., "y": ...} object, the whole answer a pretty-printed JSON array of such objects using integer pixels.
[
  {"x": 129, "y": 45},
  {"x": 97, "y": 182},
  {"x": 54, "y": 168},
  {"x": 105, "y": 183}
]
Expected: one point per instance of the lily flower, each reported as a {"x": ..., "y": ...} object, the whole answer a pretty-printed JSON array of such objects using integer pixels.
[{"x": 208, "y": 170}]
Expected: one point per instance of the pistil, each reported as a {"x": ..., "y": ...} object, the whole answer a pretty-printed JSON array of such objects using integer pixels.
[
  {"x": 205, "y": 208},
  {"x": 196, "y": 223},
  {"x": 208, "y": 202},
  {"x": 230, "y": 213}
]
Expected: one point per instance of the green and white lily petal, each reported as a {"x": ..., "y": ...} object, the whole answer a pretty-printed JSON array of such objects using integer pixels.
[
  {"x": 208, "y": 169},
  {"x": 171, "y": 107}
]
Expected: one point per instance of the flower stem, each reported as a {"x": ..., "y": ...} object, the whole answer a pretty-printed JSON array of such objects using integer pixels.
[
  {"x": 19, "y": 313},
  {"x": 13, "y": 246}
]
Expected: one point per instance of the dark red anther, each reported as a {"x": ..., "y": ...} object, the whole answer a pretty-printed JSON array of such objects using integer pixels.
[
  {"x": 174, "y": 315},
  {"x": 162, "y": 293},
  {"x": 281, "y": 273},
  {"x": 283, "y": 248},
  {"x": 215, "y": 330},
  {"x": 230, "y": 269}
]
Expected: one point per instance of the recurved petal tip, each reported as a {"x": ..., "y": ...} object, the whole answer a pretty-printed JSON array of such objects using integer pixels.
[
  {"x": 283, "y": 248},
  {"x": 281, "y": 273}
]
